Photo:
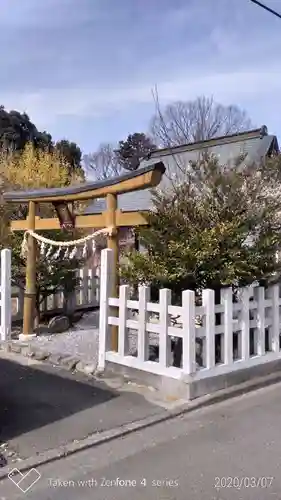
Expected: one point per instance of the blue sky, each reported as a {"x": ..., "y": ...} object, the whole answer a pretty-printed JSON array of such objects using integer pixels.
[{"x": 84, "y": 69}]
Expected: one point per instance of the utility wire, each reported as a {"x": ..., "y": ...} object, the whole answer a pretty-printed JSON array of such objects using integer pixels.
[{"x": 266, "y": 8}]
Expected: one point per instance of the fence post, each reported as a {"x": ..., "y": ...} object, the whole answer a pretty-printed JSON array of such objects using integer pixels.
[
  {"x": 275, "y": 335},
  {"x": 245, "y": 324},
  {"x": 143, "y": 344},
  {"x": 90, "y": 289},
  {"x": 6, "y": 293},
  {"x": 123, "y": 341},
  {"x": 260, "y": 322},
  {"x": 165, "y": 298},
  {"x": 83, "y": 286},
  {"x": 188, "y": 331},
  {"x": 97, "y": 284},
  {"x": 226, "y": 294},
  {"x": 208, "y": 299},
  {"x": 105, "y": 289}
]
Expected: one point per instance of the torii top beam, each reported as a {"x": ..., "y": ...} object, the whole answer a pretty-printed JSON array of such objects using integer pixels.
[{"x": 140, "y": 179}]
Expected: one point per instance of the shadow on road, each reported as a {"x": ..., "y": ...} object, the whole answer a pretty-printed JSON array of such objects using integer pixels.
[{"x": 33, "y": 397}]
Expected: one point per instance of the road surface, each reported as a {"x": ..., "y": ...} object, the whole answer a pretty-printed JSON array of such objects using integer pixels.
[{"x": 229, "y": 451}]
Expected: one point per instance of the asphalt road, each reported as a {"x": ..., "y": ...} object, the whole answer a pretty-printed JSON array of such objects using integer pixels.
[
  {"x": 43, "y": 407},
  {"x": 225, "y": 452}
]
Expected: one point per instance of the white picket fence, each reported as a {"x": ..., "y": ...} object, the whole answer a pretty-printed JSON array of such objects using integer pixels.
[
  {"x": 5, "y": 299},
  {"x": 245, "y": 333},
  {"x": 86, "y": 295}
]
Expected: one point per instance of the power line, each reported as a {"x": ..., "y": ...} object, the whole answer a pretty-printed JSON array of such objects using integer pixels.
[{"x": 266, "y": 8}]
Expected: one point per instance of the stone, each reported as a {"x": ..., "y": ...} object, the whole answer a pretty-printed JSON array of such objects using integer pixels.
[
  {"x": 26, "y": 351},
  {"x": 80, "y": 366},
  {"x": 30, "y": 353},
  {"x": 76, "y": 316},
  {"x": 15, "y": 348},
  {"x": 87, "y": 369},
  {"x": 40, "y": 355},
  {"x": 27, "y": 337},
  {"x": 55, "y": 358},
  {"x": 69, "y": 362},
  {"x": 59, "y": 324}
]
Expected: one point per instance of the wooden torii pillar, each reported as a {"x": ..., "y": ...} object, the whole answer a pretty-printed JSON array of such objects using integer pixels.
[{"x": 61, "y": 198}]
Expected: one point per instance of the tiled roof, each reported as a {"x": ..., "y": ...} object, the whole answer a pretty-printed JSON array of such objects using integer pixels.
[{"x": 254, "y": 144}]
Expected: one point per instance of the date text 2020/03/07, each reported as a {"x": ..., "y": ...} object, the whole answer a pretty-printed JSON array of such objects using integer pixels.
[{"x": 242, "y": 482}]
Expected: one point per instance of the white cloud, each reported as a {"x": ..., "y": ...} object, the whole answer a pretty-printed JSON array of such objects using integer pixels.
[
  {"x": 49, "y": 13},
  {"x": 229, "y": 87},
  {"x": 235, "y": 59}
]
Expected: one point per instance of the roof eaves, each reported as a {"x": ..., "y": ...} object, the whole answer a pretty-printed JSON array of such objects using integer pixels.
[
  {"x": 47, "y": 194},
  {"x": 267, "y": 146},
  {"x": 216, "y": 141}
]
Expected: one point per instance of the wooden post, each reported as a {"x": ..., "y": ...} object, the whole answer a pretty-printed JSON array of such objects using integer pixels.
[
  {"x": 30, "y": 277},
  {"x": 112, "y": 243}
]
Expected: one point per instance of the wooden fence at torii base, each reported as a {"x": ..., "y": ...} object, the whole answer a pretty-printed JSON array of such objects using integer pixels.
[
  {"x": 86, "y": 296},
  {"x": 11, "y": 297}
]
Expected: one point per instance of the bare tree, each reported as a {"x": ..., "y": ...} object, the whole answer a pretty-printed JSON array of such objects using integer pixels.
[
  {"x": 191, "y": 121},
  {"x": 103, "y": 163}
]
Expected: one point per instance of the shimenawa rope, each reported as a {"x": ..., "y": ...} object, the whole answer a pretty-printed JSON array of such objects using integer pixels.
[{"x": 62, "y": 244}]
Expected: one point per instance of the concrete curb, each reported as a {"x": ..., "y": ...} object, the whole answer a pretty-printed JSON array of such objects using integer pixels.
[{"x": 121, "y": 431}]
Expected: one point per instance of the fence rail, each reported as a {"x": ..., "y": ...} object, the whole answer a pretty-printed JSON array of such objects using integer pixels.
[
  {"x": 238, "y": 332},
  {"x": 85, "y": 295}
]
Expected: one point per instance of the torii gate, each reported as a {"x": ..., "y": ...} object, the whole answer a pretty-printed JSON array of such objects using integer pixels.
[{"x": 113, "y": 218}]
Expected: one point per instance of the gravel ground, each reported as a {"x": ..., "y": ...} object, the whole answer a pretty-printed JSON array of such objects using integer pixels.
[{"x": 81, "y": 340}]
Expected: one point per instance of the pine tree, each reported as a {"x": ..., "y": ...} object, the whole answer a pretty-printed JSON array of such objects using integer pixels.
[{"x": 131, "y": 151}]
